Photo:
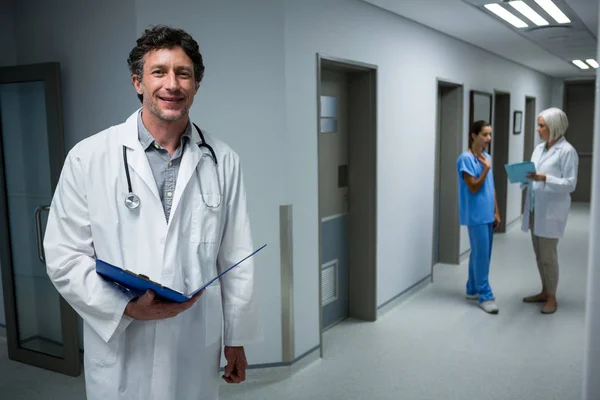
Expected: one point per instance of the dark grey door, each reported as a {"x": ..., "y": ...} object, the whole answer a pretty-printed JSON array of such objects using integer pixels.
[
  {"x": 529, "y": 136},
  {"x": 500, "y": 145},
  {"x": 333, "y": 197},
  {"x": 41, "y": 327},
  {"x": 579, "y": 107}
]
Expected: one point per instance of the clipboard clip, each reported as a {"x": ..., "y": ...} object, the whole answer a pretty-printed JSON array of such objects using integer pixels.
[{"x": 144, "y": 277}]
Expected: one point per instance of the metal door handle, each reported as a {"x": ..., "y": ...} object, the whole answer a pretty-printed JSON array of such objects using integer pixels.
[{"x": 38, "y": 228}]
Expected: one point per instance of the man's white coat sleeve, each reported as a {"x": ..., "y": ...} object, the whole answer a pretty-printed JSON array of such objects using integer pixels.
[
  {"x": 70, "y": 257},
  {"x": 240, "y": 311}
]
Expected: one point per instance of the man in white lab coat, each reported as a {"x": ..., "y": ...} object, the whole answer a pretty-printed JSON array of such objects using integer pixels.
[
  {"x": 147, "y": 197},
  {"x": 548, "y": 200}
]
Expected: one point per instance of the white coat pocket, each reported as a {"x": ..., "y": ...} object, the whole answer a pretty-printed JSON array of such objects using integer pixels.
[
  {"x": 205, "y": 223},
  {"x": 557, "y": 207},
  {"x": 213, "y": 314}
]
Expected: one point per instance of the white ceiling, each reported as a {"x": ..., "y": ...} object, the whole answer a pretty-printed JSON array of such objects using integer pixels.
[{"x": 548, "y": 50}]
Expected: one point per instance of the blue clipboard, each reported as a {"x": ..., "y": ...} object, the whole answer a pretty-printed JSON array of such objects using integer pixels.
[
  {"x": 138, "y": 283},
  {"x": 517, "y": 173}
]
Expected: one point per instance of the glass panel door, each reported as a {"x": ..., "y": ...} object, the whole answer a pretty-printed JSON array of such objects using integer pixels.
[{"x": 41, "y": 326}]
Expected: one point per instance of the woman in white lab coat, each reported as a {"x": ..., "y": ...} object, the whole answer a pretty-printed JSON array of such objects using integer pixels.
[{"x": 548, "y": 200}]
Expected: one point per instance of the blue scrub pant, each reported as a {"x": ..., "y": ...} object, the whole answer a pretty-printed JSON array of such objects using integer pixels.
[{"x": 481, "y": 238}]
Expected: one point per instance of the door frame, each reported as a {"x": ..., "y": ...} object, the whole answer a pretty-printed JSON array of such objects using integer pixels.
[
  {"x": 368, "y": 286},
  {"x": 70, "y": 364},
  {"x": 440, "y": 82}
]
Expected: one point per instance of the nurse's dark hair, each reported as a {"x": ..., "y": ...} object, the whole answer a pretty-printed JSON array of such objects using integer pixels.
[
  {"x": 164, "y": 37},
  {"x": 476, "y": 128}
]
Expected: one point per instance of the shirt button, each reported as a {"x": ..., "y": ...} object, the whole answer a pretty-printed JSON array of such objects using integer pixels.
[
  {"x": 162, "y": 241},
  {"x": 170, "y": 163},
  {"x": 170, "y": 194},
  {"x": 155, "y": 145}
]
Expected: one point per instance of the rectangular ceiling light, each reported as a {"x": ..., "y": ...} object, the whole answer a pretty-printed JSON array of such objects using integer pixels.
[
  {"x": 506, "y": 15},
  {"x": 529, "y": 13},
  {"x": 553, "y": 11},
  {"x": 581, "y": 64},
  {"x": 593, "y": 63}
]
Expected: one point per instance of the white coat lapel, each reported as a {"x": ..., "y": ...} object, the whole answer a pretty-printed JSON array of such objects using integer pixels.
[
  {"x": 136, "y": 156},
  {"x": 547, "y": 154},
  {"x": 189, "y": 161}
]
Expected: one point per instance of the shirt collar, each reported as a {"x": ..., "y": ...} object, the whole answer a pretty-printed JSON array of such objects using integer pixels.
[{"x": 146, "y": 139}]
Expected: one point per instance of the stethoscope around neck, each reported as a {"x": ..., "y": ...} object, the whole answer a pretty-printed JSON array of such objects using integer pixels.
[{"x": 132, "y": 200}]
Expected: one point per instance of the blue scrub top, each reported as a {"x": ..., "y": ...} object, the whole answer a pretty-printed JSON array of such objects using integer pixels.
[{"x": 478, "y": 208}]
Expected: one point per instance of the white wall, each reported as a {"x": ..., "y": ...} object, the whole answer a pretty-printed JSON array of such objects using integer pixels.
[
  {"x": 91, "y": 40},
  {"x": 558, "y": 90},
  {"x": 409, "y": 58},
  {"x": 241, "y": 101},
  {"x": 591, "y": 353},
  {"x": 259, "y": 94}
]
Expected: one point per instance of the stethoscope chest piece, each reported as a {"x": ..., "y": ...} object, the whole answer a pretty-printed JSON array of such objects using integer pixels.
[{"x": 132, "y": 201}]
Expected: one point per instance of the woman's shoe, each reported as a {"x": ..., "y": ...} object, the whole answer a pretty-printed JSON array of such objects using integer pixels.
[
  {"x": 489, "y": 307},
  {"x": 538, "y": 298}
]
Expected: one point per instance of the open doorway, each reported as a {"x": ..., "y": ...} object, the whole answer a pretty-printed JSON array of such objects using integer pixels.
[
  {"x": 500, "y": 137},
  {"x": 529, "y": 136},
  {"x": 449, "y": 134},
  {"x": 347, "y": 138}
]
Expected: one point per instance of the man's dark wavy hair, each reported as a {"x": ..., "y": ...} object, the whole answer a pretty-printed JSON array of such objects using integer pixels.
[{"x": 164, "y": 37}]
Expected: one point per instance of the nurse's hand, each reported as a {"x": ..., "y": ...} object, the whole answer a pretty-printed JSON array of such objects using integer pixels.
[
  {"x": 235, "y": 370},
  {"x": 147, "y": 308},
  {"x": 497, "y": 220},
  {"x": 537, "y": 177},
  {"x": 485, "y": 161}
]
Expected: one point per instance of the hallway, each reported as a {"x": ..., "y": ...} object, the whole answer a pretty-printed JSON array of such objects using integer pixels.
[{"x": 435, "y": 345}]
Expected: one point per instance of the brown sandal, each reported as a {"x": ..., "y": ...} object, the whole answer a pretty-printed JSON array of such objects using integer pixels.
[
  {"x": 548, "y": 309},
  {"x": 535, "y": 299}
]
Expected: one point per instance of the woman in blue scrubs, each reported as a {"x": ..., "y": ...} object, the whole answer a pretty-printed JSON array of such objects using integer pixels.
[{"x": 478, "y": 210}]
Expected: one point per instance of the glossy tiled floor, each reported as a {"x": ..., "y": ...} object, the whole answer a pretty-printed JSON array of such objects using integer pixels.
[{"x": 435, "y": 345}]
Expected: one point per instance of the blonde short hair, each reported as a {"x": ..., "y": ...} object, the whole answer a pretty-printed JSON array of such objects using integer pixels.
[{"x": 556, "y": 121}]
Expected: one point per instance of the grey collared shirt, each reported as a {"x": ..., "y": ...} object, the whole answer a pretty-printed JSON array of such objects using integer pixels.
[{"x": 165, "y": 168}]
